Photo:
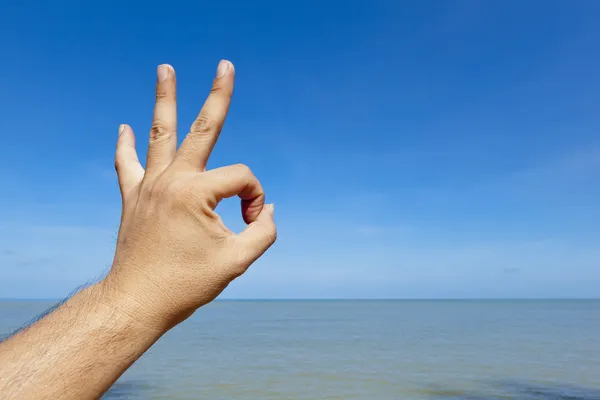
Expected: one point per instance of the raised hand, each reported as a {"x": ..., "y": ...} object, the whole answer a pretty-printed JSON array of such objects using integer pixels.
[{"x": 174, "y": 253}]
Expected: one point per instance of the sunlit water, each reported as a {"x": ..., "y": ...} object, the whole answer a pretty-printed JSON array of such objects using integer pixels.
[{"x": 472, "y": 350}]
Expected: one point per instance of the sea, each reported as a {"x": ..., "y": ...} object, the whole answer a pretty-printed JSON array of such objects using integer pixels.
[{"x": 396, "y": 349}]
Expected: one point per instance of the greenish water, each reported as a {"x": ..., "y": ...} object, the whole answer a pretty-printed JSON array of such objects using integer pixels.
[{"x": 471, "y": 350}]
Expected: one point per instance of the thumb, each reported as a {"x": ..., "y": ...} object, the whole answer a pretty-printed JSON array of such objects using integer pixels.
[{"x": 258, "y": 236}]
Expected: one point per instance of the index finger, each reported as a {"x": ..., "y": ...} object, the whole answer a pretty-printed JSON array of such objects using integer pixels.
[{"x": 237, "y": 180}]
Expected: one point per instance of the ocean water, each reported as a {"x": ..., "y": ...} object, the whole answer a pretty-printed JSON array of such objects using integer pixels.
[{"x": 435, "y": 350}]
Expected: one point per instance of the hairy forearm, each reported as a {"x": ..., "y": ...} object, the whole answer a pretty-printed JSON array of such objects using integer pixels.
[{"x": 78, "y": 351}]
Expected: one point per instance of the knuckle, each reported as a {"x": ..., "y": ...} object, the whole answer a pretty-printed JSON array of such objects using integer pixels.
[
  {"x": 118, "y": 164},
  {"x": 202, "y": 125},
  {"x": 124, "y": 162},
  {"x": 216, "y": 89},
  {"x": 162, "y": 95},
  {"x": 159, "y": 130},
  {"x": 242, "y": 169}
]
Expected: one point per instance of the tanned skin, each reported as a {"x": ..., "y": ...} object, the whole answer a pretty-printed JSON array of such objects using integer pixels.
[{"x": 173, "y": 255}]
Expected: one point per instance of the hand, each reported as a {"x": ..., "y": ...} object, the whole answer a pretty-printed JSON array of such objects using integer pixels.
[{"x": 174, "y": 253}]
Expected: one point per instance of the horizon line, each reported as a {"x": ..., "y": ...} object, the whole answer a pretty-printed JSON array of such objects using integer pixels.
[{"x": 4, "y": 299}]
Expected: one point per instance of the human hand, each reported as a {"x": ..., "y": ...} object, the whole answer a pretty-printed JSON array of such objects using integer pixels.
[{"x": 174, "y": 253}]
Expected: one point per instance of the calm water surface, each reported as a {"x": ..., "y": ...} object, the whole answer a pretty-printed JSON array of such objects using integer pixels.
[{"x": 472, "y": 350}]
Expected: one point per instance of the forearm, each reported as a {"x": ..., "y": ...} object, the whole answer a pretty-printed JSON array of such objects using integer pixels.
[{"x": 78, "y": 351}]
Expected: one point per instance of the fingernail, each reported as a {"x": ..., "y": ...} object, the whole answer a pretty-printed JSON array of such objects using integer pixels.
[
  {"x": 162, "y": 72},
  {"x": 223, "y": 68},
  {"x": 272, "y": 209},
  {"x": 121, "y": 129}
]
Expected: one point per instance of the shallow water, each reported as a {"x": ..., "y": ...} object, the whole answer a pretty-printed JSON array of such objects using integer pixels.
[{"x": 476, "y": 350}]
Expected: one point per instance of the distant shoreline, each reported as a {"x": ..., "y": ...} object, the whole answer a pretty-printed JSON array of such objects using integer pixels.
[{"x": 8, "y": 299}]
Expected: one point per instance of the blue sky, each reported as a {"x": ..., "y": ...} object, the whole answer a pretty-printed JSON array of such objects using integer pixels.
[{"x": 418, "y": 149}]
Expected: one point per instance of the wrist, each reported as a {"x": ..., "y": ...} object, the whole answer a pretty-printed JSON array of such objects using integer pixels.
[{"x": 132, "y": 309}]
